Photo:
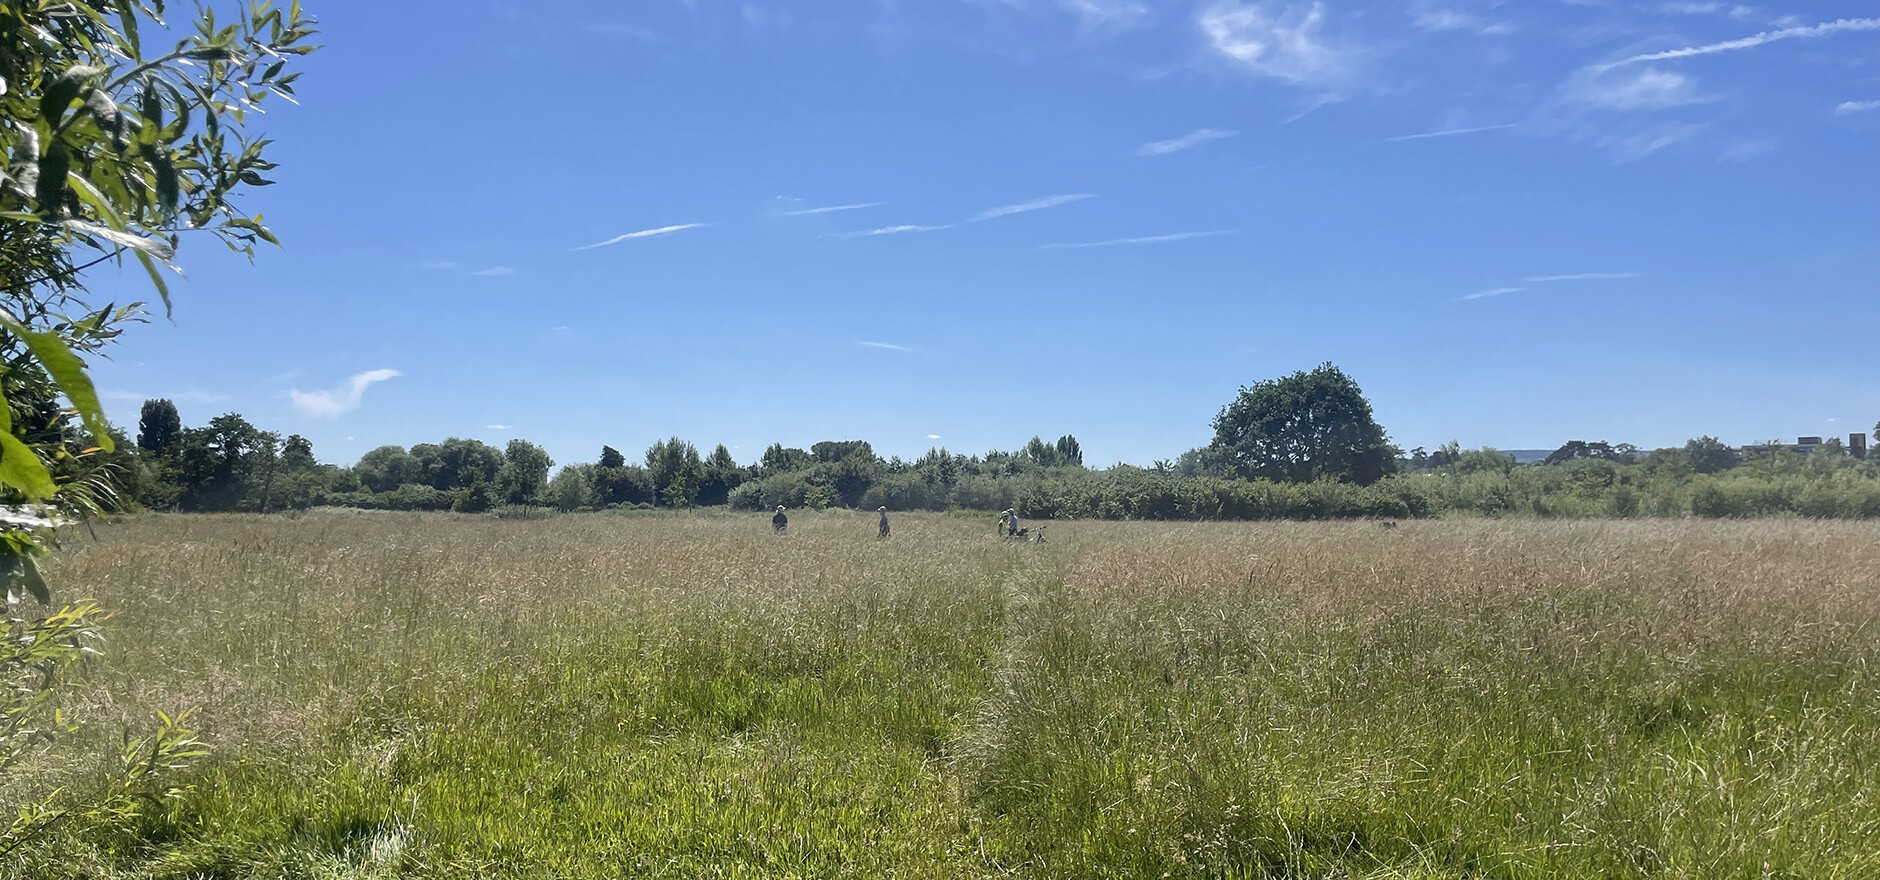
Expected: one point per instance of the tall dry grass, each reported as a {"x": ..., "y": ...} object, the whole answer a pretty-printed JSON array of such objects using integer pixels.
[{"x": 605, "y": 696}]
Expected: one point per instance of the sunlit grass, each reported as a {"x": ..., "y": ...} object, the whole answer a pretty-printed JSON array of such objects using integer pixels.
[{"x": 603, "y": 696}]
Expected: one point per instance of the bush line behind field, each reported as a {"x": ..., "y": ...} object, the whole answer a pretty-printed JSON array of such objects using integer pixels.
[
  {"x": 1583, "y": 489},
  {"x": 427, "y": 696}
]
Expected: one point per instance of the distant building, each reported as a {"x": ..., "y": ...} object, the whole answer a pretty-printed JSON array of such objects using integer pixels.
[{"x": 1856, "y": 446}]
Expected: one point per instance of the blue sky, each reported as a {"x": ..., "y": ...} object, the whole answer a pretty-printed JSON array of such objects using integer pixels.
[{"x": 966, "y": 222}]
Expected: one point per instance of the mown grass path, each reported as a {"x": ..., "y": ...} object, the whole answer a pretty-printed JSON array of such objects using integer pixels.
[{"x": 605, "y": 696}]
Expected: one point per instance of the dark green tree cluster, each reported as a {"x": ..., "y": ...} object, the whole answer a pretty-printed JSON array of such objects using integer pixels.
[
  {"x": 1305, "y": 446},
  {"x": 1299, "y": 429},
  {"x": 231, "y": 465},
  {"x": 228, "y": 464},
  {"x": 673, "y": 475},
  {"x": 1703, "y": 478}
]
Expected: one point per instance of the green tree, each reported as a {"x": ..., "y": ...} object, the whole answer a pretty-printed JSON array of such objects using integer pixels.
[
  {"x": 472, "y": 498},
  {"x": 609, "y": 486},
  {"x": 1487, "y": 459},
  {"x": 573, "y": 487},
  {"x": 721, "y": 476},
  {"x": 1600, "y": 449},
  {"x": 297, "y": 454},
  {"x": 1041, "y": 453},
  {"x": 157, "y": 426},
  {"x": 1708, "y": 455},
  {"x": 1304, "y": 427},
  {"x": 1069, "y": 451},
  {"x": 456, "y": 463},
  {"x": 611, "y": 458},
  {"x": 217, "y": 462},
  {"x": 832, "y": 451},
  {"x": 386, "y": 468},
  {"x": 940, "y": 466},
  {"x": 779, "y": 459},
  {"x": 301, "y": 481},
  {"x": 524, "y": 472},
  {"x": 676, "y": 471},
  {"x": 848, "y": 478}
]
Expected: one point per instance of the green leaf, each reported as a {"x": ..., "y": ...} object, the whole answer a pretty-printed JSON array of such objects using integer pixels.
[
  {"x": 35, "y": 582},
  {"x": 60, "y": 92},
  {"x": 101, "y": 106},
  {"x": 152, "y": 246},
  {"x": 156, "y": 278},
  {"x": 22, "y": 470},
  {"x": 69, "y": 372},
  {"x": 50, "y": 188},
  {"x": 168, "y": 191},
  {"x": 127, "y": 16}
]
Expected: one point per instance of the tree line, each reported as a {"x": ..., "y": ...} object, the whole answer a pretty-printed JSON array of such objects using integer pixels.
[{"x": 1303, "y": 446}]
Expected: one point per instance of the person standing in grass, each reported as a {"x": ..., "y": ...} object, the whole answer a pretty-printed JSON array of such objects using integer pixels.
[
  {"x": 779, "y": 522},
  {"x": 1011, "y": 523},
  {"x": 884, "y": 523}
]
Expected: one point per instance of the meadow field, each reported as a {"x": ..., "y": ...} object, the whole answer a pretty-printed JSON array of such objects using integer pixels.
[{"x": 689, "y": 695}]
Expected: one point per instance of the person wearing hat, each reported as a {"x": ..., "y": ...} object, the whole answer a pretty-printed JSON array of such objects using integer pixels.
[
  {"x": 779, "y": 522},
  {"x": 884, "y": 523},
  {"x": 1011, "y": 523}
]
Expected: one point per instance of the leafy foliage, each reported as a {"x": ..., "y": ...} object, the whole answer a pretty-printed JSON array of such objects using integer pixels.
[
  {"x": 107, "y": 150},
  {"x": 1301, "y": 428},
  {"x": 158, "y": 426},
  {"x": 676, "y": 471},
  {"x": 1599, "y": 449},
  {"x": 523, "y": 475}
]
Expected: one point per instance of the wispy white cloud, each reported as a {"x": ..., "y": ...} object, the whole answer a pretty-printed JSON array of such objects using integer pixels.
[
  {"x": 497, "y": 427},
  {"x": 1433, "y": 19},
  {"x": 1495, "y": 292},
  {"x": 1649, "y": 89},
  {"x": 1448, "y": 132},
  {"x": 1147, "y": 239},
  {"x": 896, "y": 230},
  {"x": 1690, "y": 8},
  {"x": 988, "y": 214},
  {"x": 887, "y": 345},
  {"x": 1848, "y": 107},
  {"x": 1192, "y": 139},
  {"x": 833, "y": 209},
  {"x": 494, "y": 272},
  {"x": 1286, "y": 44},
  {"x": 1754, "y": 40},
  {"x": 644, "y": 233},
  {"x": 933, "y": 436},
  {"x": 1624, "y": 113},
  {"x": 1105, "y": 14},
  {"x": 331, "y": 403},
  {"x": 1033, "y": 205},
  {"x": 1582, "y": 276},
  {"x": 1631, "y": 145}
]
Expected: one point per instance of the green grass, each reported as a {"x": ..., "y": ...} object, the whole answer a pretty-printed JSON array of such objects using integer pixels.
[{"x": 598, "y": 697}]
